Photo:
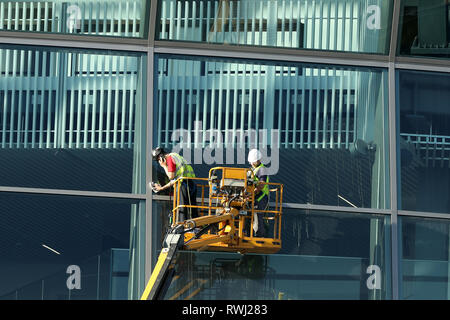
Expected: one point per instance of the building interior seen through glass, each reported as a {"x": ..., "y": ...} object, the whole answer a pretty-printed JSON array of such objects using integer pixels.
[
  {"x": 424, "y": 141},
  {"x": 322, "y": 129},
  {"x": 44, "y": 240},
  {"x": 79, "y": 113},
  {"x": 425, "y": 28},
  {"x": 424, "y": 271},
  {"x": 354, "y": 26},
  {"x": 325, "y": 255},
  {"x": 114, "y": 18}
]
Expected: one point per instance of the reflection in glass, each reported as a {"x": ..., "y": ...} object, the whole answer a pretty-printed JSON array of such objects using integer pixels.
[
  {"x": 322, "y": 129},
  {"x": 425, "y": 28},
  {"x": 425, "y": 259},
  {"x": 355, "y": 26},
  {"x": 325, "y": 256},
  {"x": 424, "y": 141},
  {"x": 77, "y": 113},
  {"x": 43, "y": 239},
  {"x": 120, "y": 18}
]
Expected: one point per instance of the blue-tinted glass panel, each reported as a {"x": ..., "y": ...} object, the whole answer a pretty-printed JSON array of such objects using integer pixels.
[
  {"x": 424, "y": 141},
  {"x": 352, "y": 26},
  {"x": 324, "y": 255},
  {"x": 424, "y": 270},
  {"x": 59, "y": 248},
  {"x": 118, "y": 18},
  {"x": 72, "y": 119},
  {"x": 424, "y": 28},
  {"x": 322, "y": 129}
]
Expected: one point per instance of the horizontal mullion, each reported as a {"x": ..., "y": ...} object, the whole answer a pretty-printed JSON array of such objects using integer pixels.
[
  {"x": 74, "y": 41},
  {"x": 291, "y": 205},
  {"x": 280, "y": 54},
  {"x": 75, "y": 193}
]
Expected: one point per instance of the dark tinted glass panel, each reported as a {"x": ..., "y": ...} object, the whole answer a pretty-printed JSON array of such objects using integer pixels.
[
  {"x": 324, "y": 255},
  {"x": 425, "y": 28},
  {"x": 424, "y": 141},
  {"x": 59, "y": 248},
  {"x": 424, "y": 259}
]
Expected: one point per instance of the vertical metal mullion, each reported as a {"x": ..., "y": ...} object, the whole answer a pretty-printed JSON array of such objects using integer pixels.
[
  {"x": 227, "y": 104},
  {"x": 244, "y": 73},
  {"x": 183, "y": 96},
  {"x": 13, "y": 97},
  {"x": 102, "y": 102},
  {"x": 253, "y": 24},
  {"x": 124, "y": 100},
  {"x": 341, "y": 100},
  {"x": 178, "y": 21},
  {"x": 280, "y": 101},
  {"x": 258, "y": 99},
  {"x": 302, "y": 112},
  {"x": 87, "y": 105},
  {"x": 109, "y": 101},
  {"x": 35, "y": 96},
  {"x": 80, "y": 98},
  {"x": 169, "y": 82},
  {"x": 250, "y": 103},
  {"x": 5, "y": 98},
  {"x": 133, "y": 111},
  {"x": 318, "y": 111},
  {"x": 235, "y": 100},
  {"x": 191, "y": 95},
  {"x": 71, "y": 82},
  {"x": 94, "y": 104},
  {"x": 311, "y": 90},
  {"x": 347, "y": 125},
  {"x": 116, "y": 101},
  {"x": 288, "y": 104},
  {"x": 295, "y": 107},
  {"x": 325, "y": 110},
  {"x": 219, "y": 109},
  {"x": 21, "y": 90},
  {"x": 313, "y": 26},
  {"x": 161, "y": 88},
  {"x": 333, "y": 108}
]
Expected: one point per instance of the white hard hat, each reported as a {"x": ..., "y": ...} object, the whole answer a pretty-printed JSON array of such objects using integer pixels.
[{"x": 254, "y": 155}]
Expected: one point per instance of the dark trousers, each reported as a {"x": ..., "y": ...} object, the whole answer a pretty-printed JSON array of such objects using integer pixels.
[
  {"x": 261, "y": 205},
  {"x": 188, "y": 196}
]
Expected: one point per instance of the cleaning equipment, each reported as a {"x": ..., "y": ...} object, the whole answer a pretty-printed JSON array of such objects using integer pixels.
[{"x": 227, "y": 206}]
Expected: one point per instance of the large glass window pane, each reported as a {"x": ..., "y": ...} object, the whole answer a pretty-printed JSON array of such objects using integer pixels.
[
  {"x": 324, "y": 255},
  {"x": 424, "y": 141},
  {"x": 425, "y": 266},
  {"x": 57, "y": 248},
  {"x": 424, "y": 28},
  {"x": 72, "y": 119},
  {"x": 322, "y": 129},
  {"x": 353, "y": 26},
  {"x": 118, "y": 18}
]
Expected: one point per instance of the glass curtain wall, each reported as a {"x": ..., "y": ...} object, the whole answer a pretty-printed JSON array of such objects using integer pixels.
[
  {"x": 325, "y": 255},
  {"x": 116, "y": 18},
  {"x": 65, "y": 248},
  {"x": 322, "y": 129},
  {"x": 424, "y": 141},
  {"x": 424, "y": 28},
  {"x": 425, "y": 267},
  {"x": 80, "y": 113},
  {"x": 353, "y": 25}
]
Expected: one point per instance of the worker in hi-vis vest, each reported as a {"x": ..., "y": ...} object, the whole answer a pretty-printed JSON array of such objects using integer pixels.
[
  {"x": 177, "y": 167},
  {"x": 261, "y": 192}
]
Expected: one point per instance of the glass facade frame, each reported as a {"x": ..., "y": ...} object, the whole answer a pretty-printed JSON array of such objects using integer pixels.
[{"x": 391, "y": 61}]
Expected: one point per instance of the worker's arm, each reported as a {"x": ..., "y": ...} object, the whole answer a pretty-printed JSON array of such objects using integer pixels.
[{"x": 169, "y": 169}]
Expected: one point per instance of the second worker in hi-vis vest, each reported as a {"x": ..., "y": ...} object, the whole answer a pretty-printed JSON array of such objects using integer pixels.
[
  {"x": 262, "y": 190},
  {"x": 177, "y": 167}
]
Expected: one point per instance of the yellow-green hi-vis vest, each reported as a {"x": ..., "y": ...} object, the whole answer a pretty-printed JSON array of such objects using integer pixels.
[
  {"x": 265, "y": 190},
  {"x": 183, "y": 168}
]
